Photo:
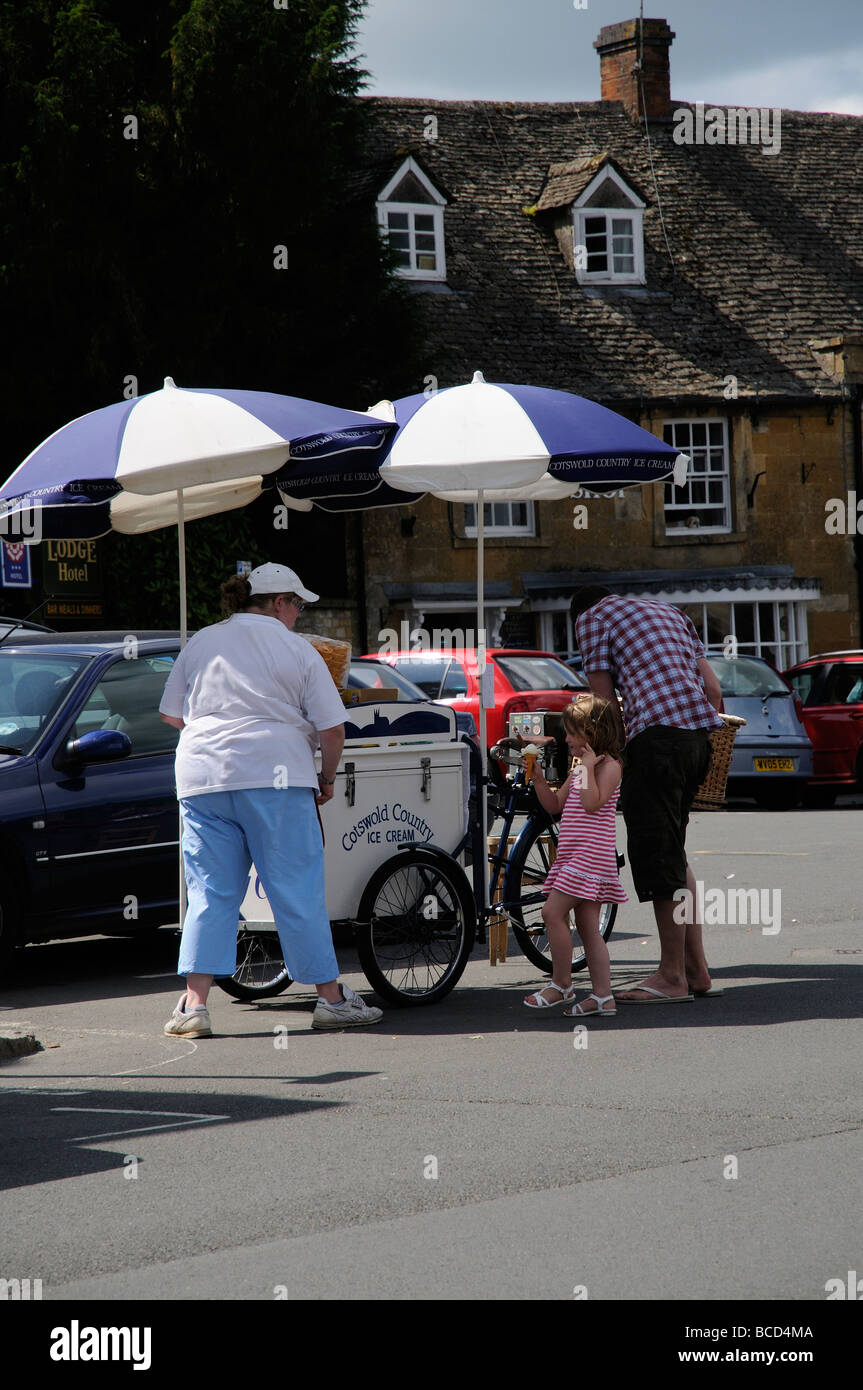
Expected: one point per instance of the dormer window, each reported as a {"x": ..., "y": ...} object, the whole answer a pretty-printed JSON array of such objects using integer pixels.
[
  {"x": 410, "y": 215},
  {"x": 608, "y": 237}
]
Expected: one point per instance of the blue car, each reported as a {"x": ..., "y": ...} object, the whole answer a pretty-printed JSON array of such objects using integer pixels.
[
  {"x": 88, "y": 814},
  {"x": 772, "y": 759}
]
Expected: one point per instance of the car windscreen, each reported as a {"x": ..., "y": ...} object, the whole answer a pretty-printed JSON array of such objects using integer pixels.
[
  {"x": 428, "y": 671},
  {"x": 32, "y": 687},
  {"x": 378, "y": 675},
  {"x": 538, "y": 673},
  {"x": 741, "y": 676}
]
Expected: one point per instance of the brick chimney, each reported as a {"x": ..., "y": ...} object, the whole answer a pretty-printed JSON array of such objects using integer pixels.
[{"x": 619, "y": 47}]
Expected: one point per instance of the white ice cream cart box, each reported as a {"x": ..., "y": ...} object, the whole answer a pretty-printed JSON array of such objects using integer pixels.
[{"x": 402, "y": 780}]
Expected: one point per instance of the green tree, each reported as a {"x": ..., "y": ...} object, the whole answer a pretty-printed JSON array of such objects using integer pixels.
[{"x": 176, "y": 196}]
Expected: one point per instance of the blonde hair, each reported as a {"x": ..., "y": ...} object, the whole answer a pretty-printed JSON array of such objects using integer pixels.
[{"x": 592, "y": 717}]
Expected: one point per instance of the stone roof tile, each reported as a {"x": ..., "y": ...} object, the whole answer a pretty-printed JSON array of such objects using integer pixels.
[{"x": 748, "y": 255}]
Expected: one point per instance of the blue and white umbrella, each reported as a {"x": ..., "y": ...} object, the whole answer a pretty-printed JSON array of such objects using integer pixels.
[
  {"x": 176, "y": 454},
  {"x": 484, "y": 443},
  {"x": 519, "y": 442}
]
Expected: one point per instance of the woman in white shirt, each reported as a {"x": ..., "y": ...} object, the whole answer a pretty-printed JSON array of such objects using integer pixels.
[{"x": 254, "y": 701}]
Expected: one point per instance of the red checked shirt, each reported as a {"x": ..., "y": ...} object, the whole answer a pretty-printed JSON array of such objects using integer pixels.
[{"x": 650, "y": 650}]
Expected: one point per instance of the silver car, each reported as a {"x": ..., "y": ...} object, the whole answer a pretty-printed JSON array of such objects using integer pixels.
[{"x": 772, "y": 759}]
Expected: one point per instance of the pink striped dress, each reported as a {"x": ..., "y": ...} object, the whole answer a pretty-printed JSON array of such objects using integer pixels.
[{"x": 586, "y": 863}]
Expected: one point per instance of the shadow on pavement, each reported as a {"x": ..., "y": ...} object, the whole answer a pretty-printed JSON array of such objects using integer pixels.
[{"x": 48, "y": 1133}]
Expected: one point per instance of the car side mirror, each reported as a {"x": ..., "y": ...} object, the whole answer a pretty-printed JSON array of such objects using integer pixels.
[{"x": 98, "y": 746}]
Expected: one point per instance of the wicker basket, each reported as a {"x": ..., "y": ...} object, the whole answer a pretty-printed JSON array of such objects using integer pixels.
[{"x": 711, "y": 794}]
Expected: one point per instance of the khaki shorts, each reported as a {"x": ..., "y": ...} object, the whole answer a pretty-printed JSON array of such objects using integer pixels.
[{"x": 663, "y": 769}]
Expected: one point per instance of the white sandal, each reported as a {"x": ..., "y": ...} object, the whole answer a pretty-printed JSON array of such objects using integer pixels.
[
  {"x": 577, "y": 1011},
  {"x": 544, "y": 1003}
]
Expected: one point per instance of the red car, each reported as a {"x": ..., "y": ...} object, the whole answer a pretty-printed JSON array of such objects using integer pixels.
[
  {"x": 830, "y": 689},
  {"x": 523, "y": 680}
]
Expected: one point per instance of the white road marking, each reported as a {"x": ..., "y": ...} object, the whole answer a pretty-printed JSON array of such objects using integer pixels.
[{"x": 184, "y": 1117}]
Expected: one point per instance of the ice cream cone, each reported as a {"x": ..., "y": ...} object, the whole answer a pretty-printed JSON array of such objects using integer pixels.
[{"x": 528, "y": 758}]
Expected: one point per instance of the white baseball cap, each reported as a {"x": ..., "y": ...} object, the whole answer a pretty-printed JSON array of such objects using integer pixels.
[{"x": 278, "y": 579}]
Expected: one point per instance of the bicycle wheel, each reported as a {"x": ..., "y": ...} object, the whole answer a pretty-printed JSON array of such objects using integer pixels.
[
  {"x": 416, "y": 926},
  {"x": 527, "y": 870},
  {"x": 261, "y": 970}
]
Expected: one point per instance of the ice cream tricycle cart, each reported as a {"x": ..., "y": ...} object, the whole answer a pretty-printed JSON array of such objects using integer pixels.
[{"x": 398, "y": 833}]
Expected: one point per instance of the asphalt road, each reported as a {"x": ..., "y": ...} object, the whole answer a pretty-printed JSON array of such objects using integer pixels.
[{"x": 470, "y": 1150}]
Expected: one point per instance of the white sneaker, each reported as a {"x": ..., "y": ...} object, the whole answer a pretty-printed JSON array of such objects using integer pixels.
[
  {"x": 194, "y": 1024},
  {"x": 353, "y": 1013}
]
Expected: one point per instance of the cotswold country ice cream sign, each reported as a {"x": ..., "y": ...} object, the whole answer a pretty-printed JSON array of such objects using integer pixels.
[{"x": 388, "y": 824}]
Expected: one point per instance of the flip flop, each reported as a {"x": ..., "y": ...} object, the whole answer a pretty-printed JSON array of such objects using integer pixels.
[
  {"x": 706, "y": 993},
  {"x": 660, "y": 997}
]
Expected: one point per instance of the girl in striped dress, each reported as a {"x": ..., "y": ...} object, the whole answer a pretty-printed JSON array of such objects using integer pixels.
[{"x": 584, "y": 873}]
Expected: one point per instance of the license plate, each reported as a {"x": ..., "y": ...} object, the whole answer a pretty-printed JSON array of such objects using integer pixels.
[{"x": 774, "y": 764}]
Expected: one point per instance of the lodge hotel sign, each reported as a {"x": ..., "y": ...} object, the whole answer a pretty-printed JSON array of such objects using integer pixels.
[{"x": 70, "y": 574}]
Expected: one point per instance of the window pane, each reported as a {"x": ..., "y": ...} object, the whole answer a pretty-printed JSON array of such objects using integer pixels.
[
  {"x": 718, "y": 623},
  {"x": 424, "y": 242},
  {"x": 131, "y": 691},
  {"x": 744, "y": 623},
  {"x": 423, "y": 222},
  {"x": 455, "y": 681},
  {"x": 397, "y": 219},
  {"x": 695, "y": 614},
  {"x": 426, "y": 261},
  {"x": 400, "y": 241}
]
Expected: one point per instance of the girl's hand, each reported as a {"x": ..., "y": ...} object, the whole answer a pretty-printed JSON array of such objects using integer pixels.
[{"x": 588, "y": 757}]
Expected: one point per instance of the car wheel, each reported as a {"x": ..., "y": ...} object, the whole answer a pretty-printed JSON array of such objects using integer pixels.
[{"x": 782, "y": 797}]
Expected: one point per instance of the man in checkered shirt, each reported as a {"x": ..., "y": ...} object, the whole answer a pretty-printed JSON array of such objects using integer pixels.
[{"x": 651, "y": 653}]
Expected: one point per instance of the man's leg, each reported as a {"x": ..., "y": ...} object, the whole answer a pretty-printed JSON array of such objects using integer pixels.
[{"x": 666, "y": 772}]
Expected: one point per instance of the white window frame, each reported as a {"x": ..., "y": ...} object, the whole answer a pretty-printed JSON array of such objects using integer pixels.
[
  {"x": 434, "y": 209},
  {"x": 527, "y": 528},
  {"x": 789, "y": 650},
  {"x": 634, "y": 212},
  {"x": 679, "y": 496}
]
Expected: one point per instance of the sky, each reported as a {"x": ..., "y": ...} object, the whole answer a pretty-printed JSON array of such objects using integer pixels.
[{"x": 801, "y": 55}]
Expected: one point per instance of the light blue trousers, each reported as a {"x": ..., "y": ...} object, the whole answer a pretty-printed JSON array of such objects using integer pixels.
[{"x": 223, "y": 832}]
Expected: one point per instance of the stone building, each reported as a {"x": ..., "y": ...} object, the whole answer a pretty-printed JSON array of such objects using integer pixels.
[{"x": 699, "y": 270}]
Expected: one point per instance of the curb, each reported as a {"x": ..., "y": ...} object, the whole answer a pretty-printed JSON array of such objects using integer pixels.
[{"x": 21, "y": 1046}]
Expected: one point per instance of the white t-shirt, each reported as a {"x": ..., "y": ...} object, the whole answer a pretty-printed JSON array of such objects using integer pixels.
[{"x": 252, "y": 695}]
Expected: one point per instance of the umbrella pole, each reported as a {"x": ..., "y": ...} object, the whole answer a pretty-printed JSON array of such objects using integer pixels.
[
  {"x": 481, "y": 666},
  {"x": 181, "y": 545},
  {"x": 184, "y": 633}
]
